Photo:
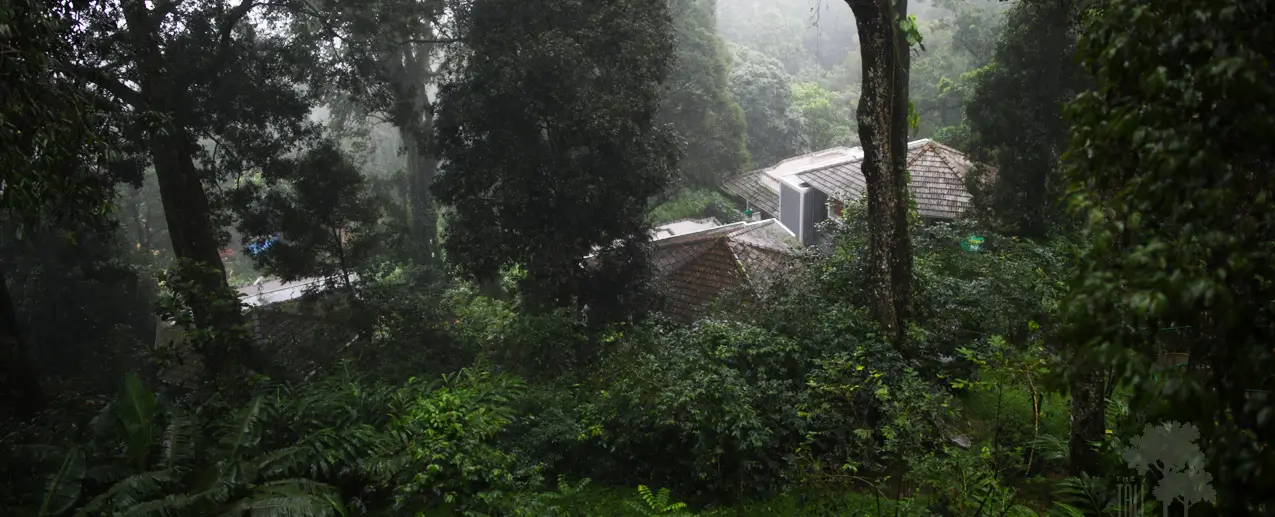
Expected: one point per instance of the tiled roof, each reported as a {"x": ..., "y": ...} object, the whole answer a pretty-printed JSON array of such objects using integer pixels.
[
  {"x": 750, "y": 186},
  {"x": 938, "y": 179},
  {"x": 694, "y": 269}
]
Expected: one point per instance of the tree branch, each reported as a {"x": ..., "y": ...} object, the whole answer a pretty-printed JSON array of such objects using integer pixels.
[
  {"x": 111, "y": 84},
  {"x": 429, "y": 41},
  {"x": 232, "y": 20}
]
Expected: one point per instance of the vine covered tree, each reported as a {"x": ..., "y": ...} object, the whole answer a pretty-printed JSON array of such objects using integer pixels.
[
  {"x": 885, "y": 45},
  {"x": 551, "y": 147}
]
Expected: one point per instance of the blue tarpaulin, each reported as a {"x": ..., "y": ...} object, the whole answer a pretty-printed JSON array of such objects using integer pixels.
[{"x": 261, "y": 245}]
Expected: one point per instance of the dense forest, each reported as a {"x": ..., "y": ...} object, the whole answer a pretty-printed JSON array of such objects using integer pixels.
[{"x": 622, "y": 258}]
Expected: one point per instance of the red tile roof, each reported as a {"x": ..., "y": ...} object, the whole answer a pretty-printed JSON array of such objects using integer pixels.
[{"x": 693, "y": 270}]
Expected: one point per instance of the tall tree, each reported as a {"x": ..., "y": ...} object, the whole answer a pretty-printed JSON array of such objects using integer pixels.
[
  {"x": 387, "y": 55},
  {"x": 776, "y": 127},
  {"x": 320, "y": 211},
  {"x": 51, "y": 163},
  {"x": 210, "y": 96},
  {"x": 1168, "y": 168},
  {"x": 698, "y": 102},
  {"x": 885, "y": 44},
  {"x": 1015, "y": 113},
  {"x": 550, "y": 144},
  {"x": 829, "y": 118}
]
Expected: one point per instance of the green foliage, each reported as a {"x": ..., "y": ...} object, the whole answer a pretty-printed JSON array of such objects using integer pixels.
[
  {"x": 657, "y": 503},
  {"x": 776, "y": 125},
  {"x": 1008, "y": 405},
  {"x": 714, "y": 401},
  {"x": 447, "y": 437},
  {"x": 911, "y": 32},
  {"x": 1178, "y": 208},
  {"x": 319, "y": 209},
  {"x": 698, "y": 102},
  {"x": 1015, "y": 118},
  {"x": 210, "y": 321},
  {"x": 56, "y": 145},
  {"x": 149, "y": 458},
  {"x": 963, "y": 482},
  {"x": 829, "y": 116},
  {"x": 569, "y": 172},
  {"x": 940, "y": 78},
  {"x": 696, "y": 204}
]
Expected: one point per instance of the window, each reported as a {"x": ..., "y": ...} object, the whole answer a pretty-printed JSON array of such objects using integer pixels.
[{"x": 835, "y": 207}]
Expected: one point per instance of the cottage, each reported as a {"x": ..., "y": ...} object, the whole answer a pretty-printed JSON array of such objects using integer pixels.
[
  {"x": 698, "y": 261},
  {"x": 801, "y": 192},
  {"x": 694, "y": 269}
]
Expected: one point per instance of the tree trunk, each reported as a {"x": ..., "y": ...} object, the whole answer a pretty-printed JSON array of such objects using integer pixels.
[
  {"x": 414, "y": 119},
  {"x": 882, "y": 119},
  {"x": 1088, "y": 421},
  {"x": 19, "y": 386},
  {"x": 421, "y": 167},
  {"x": 186, "y": 207},
  {"x": 190, "y": 226}
]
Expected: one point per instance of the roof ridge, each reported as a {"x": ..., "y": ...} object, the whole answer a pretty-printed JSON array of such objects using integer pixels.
[
  {"x": 741, "y": 268},
  {"x": 751, "y": 226},
  {"x": 920, "y": 151},
  {"x": 686, "y": 238},
  {"x": 950, "y": 167}
]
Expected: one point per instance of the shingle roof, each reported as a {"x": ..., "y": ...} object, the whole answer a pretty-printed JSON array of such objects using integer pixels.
[
  {"x": 694, "y": 269},
  {"x": 938, "y": 179},
  {"x": 750, "y": 186}
]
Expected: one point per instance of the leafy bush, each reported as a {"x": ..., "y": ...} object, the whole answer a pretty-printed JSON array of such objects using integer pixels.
[
  {"x": 697, "y": 204},
  {"x": 448, "y": 456},
  {"x": 706, "y": 410},
  {"x": 148, "y": 457},
  {"x": 539, "y": 345}
]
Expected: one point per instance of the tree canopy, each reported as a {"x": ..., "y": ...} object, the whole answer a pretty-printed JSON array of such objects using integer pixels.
[{"x": 552, "y": 149}]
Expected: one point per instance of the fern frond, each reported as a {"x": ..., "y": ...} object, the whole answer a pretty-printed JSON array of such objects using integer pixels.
[
  {"x": 62, "y": 489},
  {"x": 172, "y": 505},
  {"x": 225, "y": 481},
  {"x": 244, "y": 433},
  {"x": 179, "y": 440},
  {"x": 130, "y": 491},
  {"x": 1065, "y": 510},
  {"x": 285, "y": 506},
  {"x": 1084, "y": 492},
  {"x": 290, "y": 498},
  {"x": 287, "y": 461},
  {"x": 1050, "y": 447}
]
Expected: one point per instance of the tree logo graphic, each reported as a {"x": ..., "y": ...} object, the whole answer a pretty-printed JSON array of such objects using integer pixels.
[{"x": 1170, "y": 450}]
